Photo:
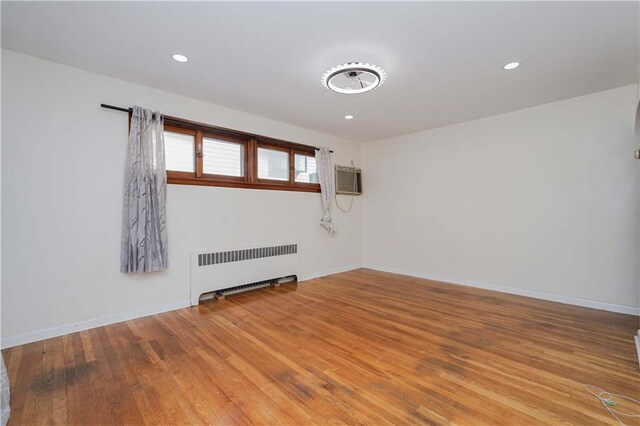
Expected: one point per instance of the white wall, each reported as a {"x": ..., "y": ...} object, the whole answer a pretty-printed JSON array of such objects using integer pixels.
[
  {"x": 542, "y": 201},
  {"x": 62, "y": 174}
]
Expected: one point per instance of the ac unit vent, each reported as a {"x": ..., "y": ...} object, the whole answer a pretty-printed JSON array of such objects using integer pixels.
[
  {"x": 205, "y": 259},
  {"x": 348, "y": 180}
]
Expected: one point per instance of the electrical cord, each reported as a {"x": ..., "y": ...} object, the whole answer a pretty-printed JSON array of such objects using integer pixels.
[
  {"x": 606, "y": 398},
  {"x": 350, "y": 204}
]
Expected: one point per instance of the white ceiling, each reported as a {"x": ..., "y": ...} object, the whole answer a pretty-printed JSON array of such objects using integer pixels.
[{"x": 443, "y": 60}]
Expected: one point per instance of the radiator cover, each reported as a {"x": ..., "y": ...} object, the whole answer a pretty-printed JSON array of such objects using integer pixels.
[{"x": 217, "y": 270}]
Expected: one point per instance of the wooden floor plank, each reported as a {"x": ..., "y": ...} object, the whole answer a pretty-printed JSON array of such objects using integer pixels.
[{"x": 357, "y": 347}]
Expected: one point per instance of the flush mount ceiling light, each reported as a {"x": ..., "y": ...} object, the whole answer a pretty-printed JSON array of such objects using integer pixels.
[
  {"x": 180, "y": 58},
  {"x": 512, "y": 65},
  {"x": 353, "y": 78},
  {"x": 348, "y": 117}
]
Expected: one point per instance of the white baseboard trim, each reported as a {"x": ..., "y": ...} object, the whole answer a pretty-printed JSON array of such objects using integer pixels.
[
  {"x": 332, "y": 271},
  {"x": 48, "y": 333},
  {"x": 587, "y": 303},
  {"x": 34, "y": 336}
]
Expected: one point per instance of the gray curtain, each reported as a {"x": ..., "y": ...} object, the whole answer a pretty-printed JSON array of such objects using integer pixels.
[
  {"x": 325, "y": 176},
  {"x": 144, "y": 230},
  {"x": 5, "y": 409},
  {"x": 638, "y": 110}
]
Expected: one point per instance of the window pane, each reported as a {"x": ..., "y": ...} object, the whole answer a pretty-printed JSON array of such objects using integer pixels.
[
  {"x": 306, "y": 169},
  {"x": 273, "y": 164},
  {"x": 222, "y": 157},
  {"x": 179, "y": 152}
]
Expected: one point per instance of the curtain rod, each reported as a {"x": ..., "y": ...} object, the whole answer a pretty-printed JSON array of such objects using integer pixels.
[{"x": 117, "y": 108}]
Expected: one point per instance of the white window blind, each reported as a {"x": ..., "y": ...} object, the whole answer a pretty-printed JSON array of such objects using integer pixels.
[
  {"x": 179, "y": 152},
  {"x": 222, "y": 157}
]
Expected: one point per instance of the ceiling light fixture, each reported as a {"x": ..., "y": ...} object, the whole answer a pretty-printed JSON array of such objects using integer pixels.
[
  {"x": 348, "y": 117},
  {"x": 512, "y": 65},
  {"x": 353, "y": 78},
  {"x": 180, "y": 58}
]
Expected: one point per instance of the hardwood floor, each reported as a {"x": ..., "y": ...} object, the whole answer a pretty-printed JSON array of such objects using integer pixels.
[{"x": 358, "y": 347}]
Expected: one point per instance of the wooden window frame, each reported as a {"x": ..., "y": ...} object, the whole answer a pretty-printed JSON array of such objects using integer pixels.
[{"x": 250, "y": 143}]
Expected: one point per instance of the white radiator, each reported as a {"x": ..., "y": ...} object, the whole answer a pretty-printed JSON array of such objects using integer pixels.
[{"x": 218, "y": 270}]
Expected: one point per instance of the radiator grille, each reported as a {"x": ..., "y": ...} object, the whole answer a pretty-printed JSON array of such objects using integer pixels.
[
  {"x": 205, "y": 259},
  {"x": 247, "y": 287}
]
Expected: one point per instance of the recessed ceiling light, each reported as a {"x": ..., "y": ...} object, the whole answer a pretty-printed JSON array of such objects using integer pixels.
[
  {"x": 512, "y": 65},
  {"x": 180, "y": 58},
  {"x": 353, "y": 78},
  {"x": 348, "y": 117}
]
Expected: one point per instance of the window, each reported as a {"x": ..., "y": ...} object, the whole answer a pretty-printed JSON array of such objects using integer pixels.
[
  {"x": 199, "y": 154},
  {"x": 179, "y": 151},
  {"x": 273, "y": 164},
  {"x": 306, "y": 169},
  {"x": 221, "y": 157}
]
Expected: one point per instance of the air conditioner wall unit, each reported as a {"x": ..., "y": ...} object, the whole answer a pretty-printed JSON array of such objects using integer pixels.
[{"x": 348, "y": 180}]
